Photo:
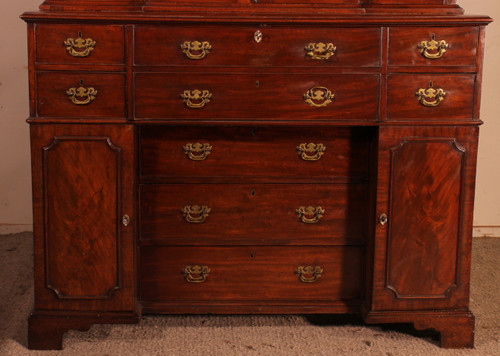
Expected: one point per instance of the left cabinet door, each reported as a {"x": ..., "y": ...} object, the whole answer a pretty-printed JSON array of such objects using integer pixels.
[{"x": 83, "y": 192}]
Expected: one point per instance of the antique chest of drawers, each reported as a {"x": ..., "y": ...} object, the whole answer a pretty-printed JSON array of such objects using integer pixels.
[{"x": 253, "y": 157}]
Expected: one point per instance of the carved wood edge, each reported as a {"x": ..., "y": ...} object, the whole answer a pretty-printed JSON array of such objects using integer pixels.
[
  {"x": 46, "y": 329},
  {"x": 456, "y": 328}
]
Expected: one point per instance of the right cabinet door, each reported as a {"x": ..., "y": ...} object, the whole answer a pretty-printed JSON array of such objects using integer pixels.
[{"x": 422, "y": 249}]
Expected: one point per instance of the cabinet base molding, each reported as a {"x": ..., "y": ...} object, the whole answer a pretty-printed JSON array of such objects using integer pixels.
[
  {"x": 456, "y": 328},
  {"x": 46, "y": 329}
]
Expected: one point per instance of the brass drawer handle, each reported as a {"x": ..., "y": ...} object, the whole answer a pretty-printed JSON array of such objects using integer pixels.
[
  {"x": 320, "y": 50},
  {"x": 196, "y": 274},
  {"x": 196, "y": 214},
  {"x": 311, "y": 151},
  {"x": 310, "y": 214},
  {"x": 196, "y": 49},
  {"x": 318, "y": 97},
  {"x": 196, "y": 99},
  {"x": 81, "y": 95},
  {"x": 83, "y": 46},
  {"x": 433, "y": 49},
  {"x": 430, "y": 97},
  {"x": 197, "y": 151},
  {"x": 309, "y": 274}
]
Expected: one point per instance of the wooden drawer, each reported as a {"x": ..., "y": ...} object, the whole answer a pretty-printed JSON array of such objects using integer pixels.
[
  {"x": 404, "y": 103},
  {"x": 250, "y": 273},
  {"x": 67, "y": 44},
  {"x": 336, "y": 154},
  {"x": 460, "y": 51},
  {"x": 236, "y": 46},
  {"x": 106, "y": 100},
  {"x": 253, "y": 213},
  {"x": 254, "y": 96}
]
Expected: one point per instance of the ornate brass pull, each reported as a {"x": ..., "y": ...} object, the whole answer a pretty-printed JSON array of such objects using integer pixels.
[
  {"x": 318, "y": 97},
  {"x": 430, "y": 97},
  {"x": 310, "y": 214},
  {"x": 309, "y": 274},
  {"x": 196, "y": 99},
  {"x": 87, "y": 94},
  {"x": 83, "y": 46},
  {"x": 433, "y": 49},
  {"x": 197, "y": 151},
  {"x": 196, "y": 274},
  {"x": 196, "y": 49},
  {"x": 311, "y": 151},
  {"x": 320, "y": 50},
  {"x": 196, "y": 214}
]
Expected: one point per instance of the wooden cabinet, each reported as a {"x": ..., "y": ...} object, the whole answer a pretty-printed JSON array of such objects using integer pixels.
[{"x": 253, "y": 157}]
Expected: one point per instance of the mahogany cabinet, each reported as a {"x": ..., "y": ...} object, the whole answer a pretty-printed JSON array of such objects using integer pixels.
[{"x": 265, "y": 156}]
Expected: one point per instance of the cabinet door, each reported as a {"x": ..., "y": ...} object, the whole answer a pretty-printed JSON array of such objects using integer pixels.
[
  {"x": 426, "y": 188},
  {"x": 82, "y": 189}
]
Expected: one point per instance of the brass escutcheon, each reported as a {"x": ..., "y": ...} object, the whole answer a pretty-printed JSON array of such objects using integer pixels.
[
  {"x": 196, "y": 49},
  {"x": 196, "y": 274},
  {"x": 257, "y": 36},
  {"x": 196, "y": 99},
  {"x": 430, "y": 97},
  {"x": 433, "y": 49},
  {"x": 197, "y": 151},
  {"x": 83, "y": 46},
  {"x": 318, "y": 97},
  {"x": 309, "y": 274},
  {"x": 310, "y": 214},
  {"x": 196, "y": 214},
  {"x": 125, "y": 220},
  {"x": 320, "y": 50},
  {"x": 311, "y": 151},
  {"x": 383, "y": 219},
  {"x": 87, "y": 94}
]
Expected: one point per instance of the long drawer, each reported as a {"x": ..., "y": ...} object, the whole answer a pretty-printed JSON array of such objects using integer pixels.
[
  {"x": 250, "y": 273},
  {"x": 253, "y": 213},
  {"x": 256, "y": 96},
  {"x": 254, "y": 152},
  {"x": 280, "y": 46}
]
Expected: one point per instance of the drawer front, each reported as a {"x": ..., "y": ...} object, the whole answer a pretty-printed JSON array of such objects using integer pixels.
[
  {"x": 80, "y": 44},
  {"x": 243, "y": 46},
  {"x": 254, "y": 96},
  {"x": 258, "y": 152},
  {"x": 433, "y": 46},
  {"x": 250, "y": 273},
  {"x": 430, "y": 103},
  {"x": 253, "y": 213},
  {"x": 80, "y": 95}
]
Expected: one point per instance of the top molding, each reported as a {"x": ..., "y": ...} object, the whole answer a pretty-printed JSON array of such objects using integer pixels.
[{"x": 319, "y": 11}]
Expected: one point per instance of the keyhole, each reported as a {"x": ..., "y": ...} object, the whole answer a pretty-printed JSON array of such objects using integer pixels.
[
  {"x": 80, "y": 34},
  {"x": 254, "y": 131},
  {"x": 253, "y": 193},
  {"x": 252, "y": 255},
  {"x": 257, "y": 84},
  {"x": 81, "y": 81}
]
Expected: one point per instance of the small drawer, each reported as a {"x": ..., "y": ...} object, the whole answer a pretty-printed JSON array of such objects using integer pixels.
[
  {"x": 80, "y": 44},
  {"x": 253, "y": 213},
  {"x": 253, "y": 273},
  {"x": 80, "y": 95},
  {"x": 255, "y": 46},
  {"x": 430, "y": 97},
  {"x": 256, "y": 96},
  {"x": 254, "y": 152},
  {"x": 433, "y": 46}
]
